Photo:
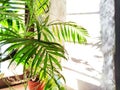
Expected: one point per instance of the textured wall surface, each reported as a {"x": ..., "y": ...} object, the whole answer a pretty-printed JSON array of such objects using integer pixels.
[
  {"x": 58, "y": 10},
  {"x": 108, "y": 43}
]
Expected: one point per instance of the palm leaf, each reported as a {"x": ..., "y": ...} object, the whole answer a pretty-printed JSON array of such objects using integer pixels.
[{"x": 70, "y": 32}]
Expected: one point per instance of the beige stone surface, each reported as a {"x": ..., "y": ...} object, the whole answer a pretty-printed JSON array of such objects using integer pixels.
[
  {"x": 57, "y": 10},
  {"x": 17, "y": 87}
]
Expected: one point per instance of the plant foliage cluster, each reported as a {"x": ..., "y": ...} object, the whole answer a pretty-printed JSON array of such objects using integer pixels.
[{"x": 36, "y": 40}]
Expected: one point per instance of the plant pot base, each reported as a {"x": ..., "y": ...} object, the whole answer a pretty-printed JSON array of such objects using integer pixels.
[{"x": 35, "y": 85}]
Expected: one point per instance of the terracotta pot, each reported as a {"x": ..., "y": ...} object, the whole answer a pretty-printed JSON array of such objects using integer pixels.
[{"x": 35, "y": 85}]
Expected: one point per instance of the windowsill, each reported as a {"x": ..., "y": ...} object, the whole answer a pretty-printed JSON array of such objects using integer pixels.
[
  {"x": 16, "y": 87},
  {"x": 11, "y": 81}
]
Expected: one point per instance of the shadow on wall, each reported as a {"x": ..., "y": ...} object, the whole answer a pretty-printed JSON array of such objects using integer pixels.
[
  {"x": 83, "y": 70},
  {"x": 81, "y": 75},
  {"x": 87, "y": 66}
]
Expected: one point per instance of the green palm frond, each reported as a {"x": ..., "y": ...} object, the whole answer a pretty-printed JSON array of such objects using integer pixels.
[
  {"x": 69, "y": 31},
  {"x": 38, "y": 53},
  {"x": 9, "y": 9}
]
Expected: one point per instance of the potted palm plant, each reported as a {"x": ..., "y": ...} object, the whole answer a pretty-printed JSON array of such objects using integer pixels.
[{"x": 37, "y": 42}]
